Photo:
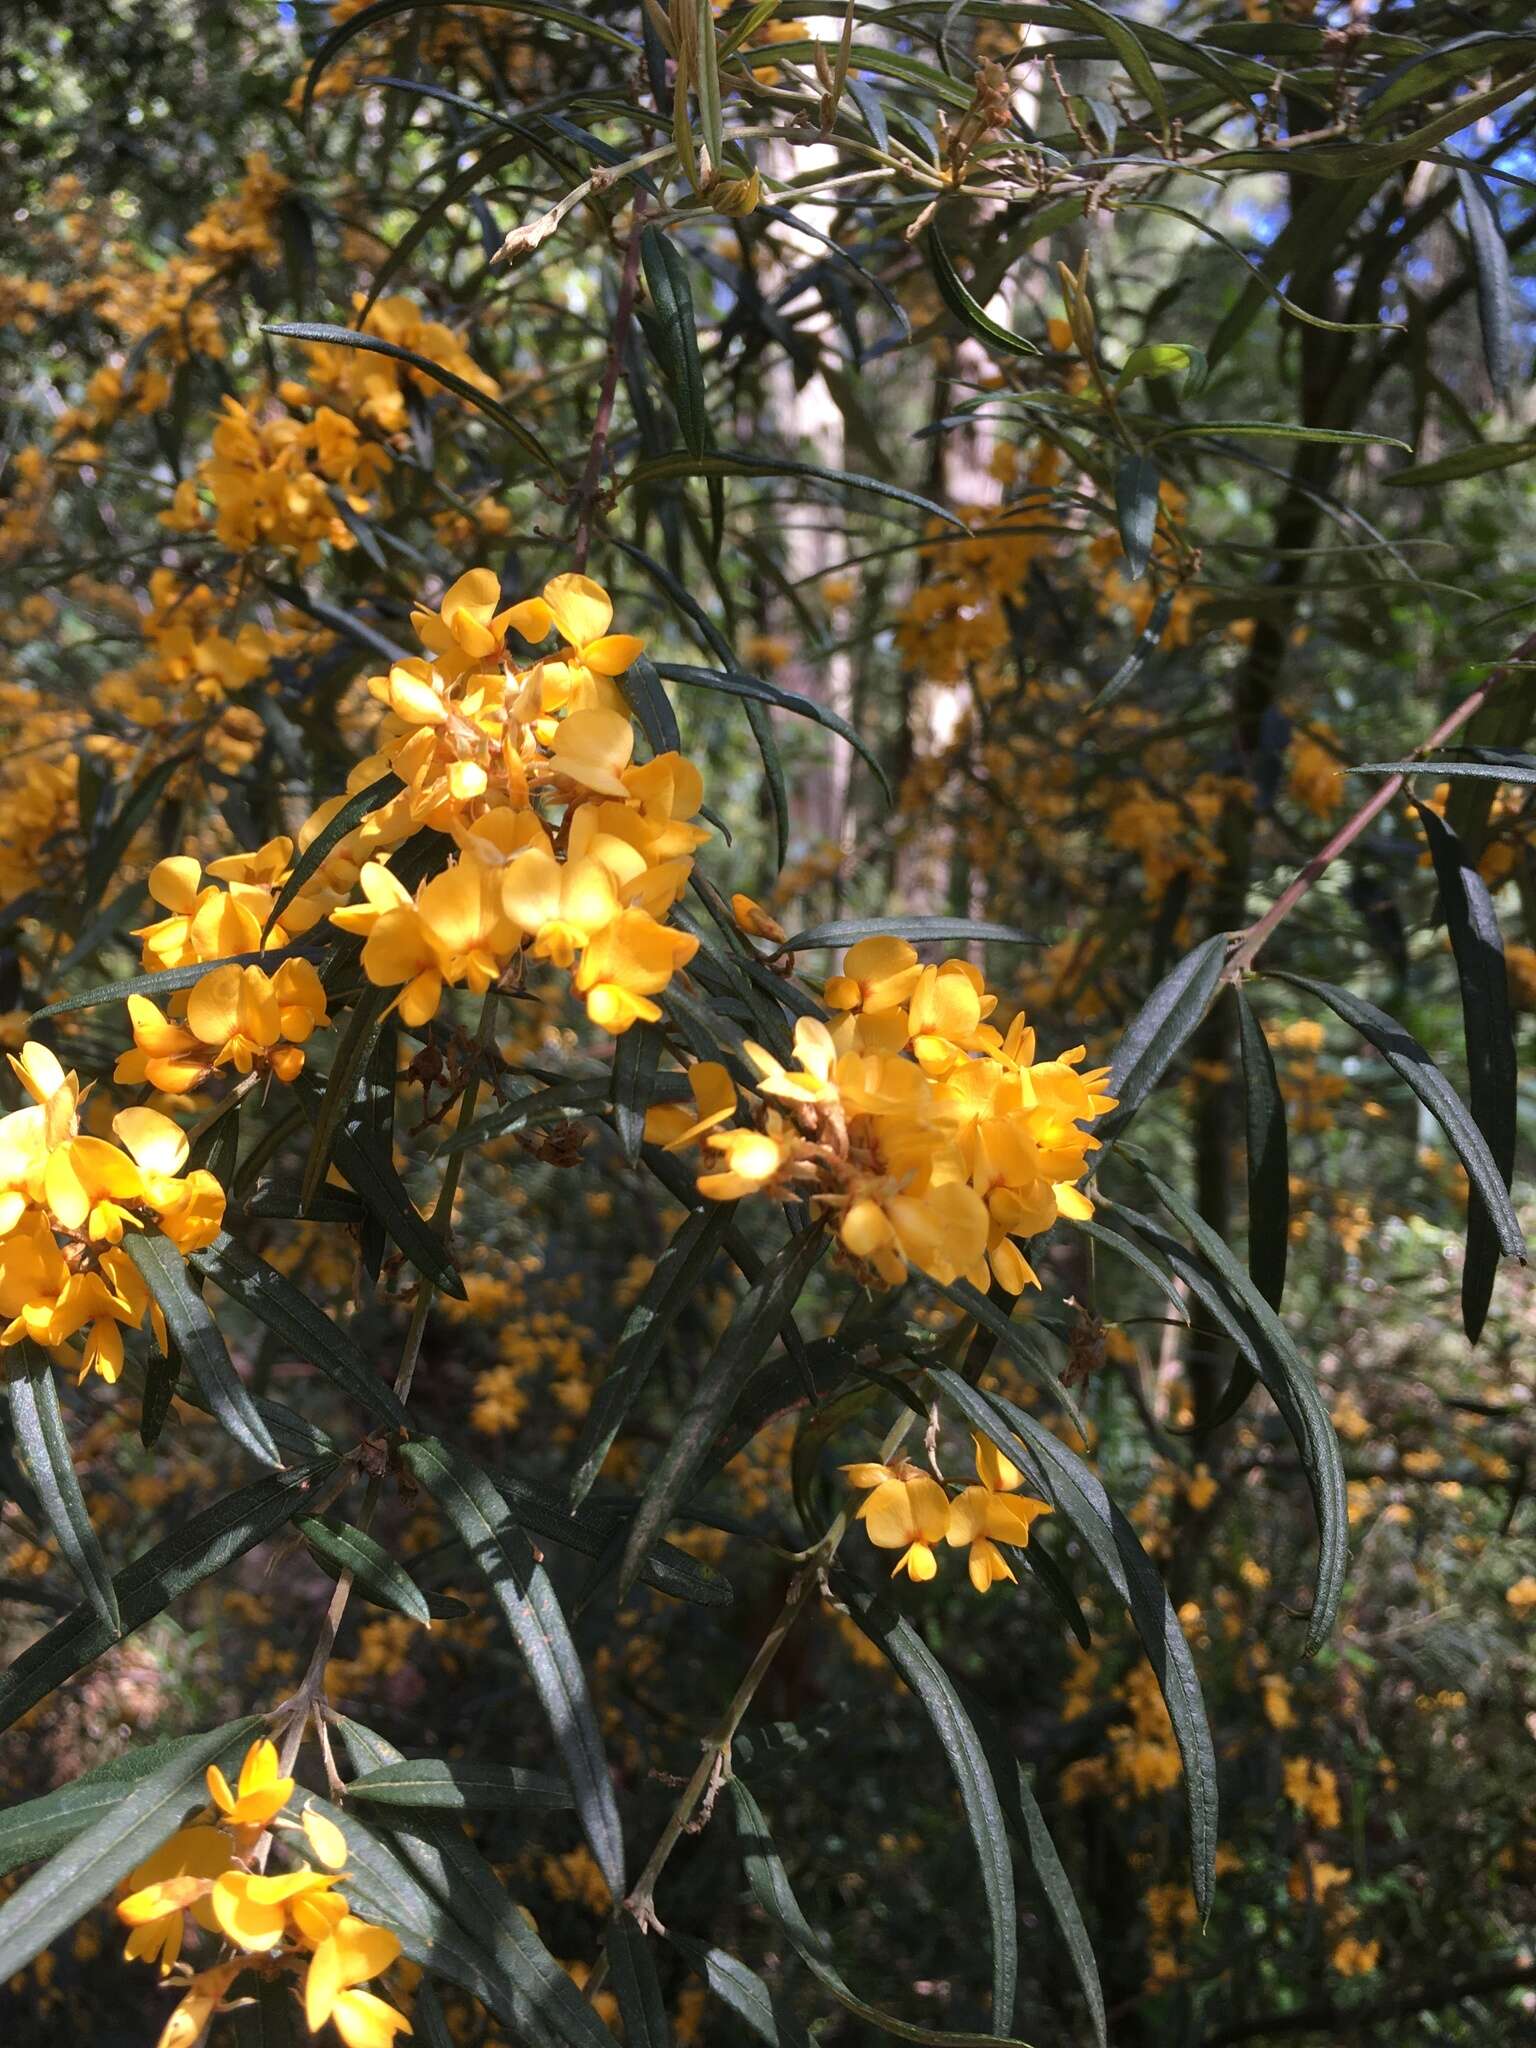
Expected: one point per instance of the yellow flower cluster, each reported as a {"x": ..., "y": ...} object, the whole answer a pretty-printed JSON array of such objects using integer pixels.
[
  {"x": 67, "y": 1199},
  {"x": 272, "y": 479},
  {"x": 282, "y": 1923},
  {"x": 374, "y": 387},
  {"x": 933, "y": 1139},
  {"x": 906, "y": 1509},
  {"x": 570, "y": 852}
]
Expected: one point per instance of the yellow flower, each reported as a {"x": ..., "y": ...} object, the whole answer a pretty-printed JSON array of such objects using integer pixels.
[
  {"x": 593, "y": 748},
  {"x": 466, "y": 631},
  {"x": 198, "y": 2004},
  {"x": 176, "y": 1880},
  {"x": 628, "y": 962},
  {"x": 904, "y": 1510},
  {"x": 452, "y": 931},
  {"x": 985, "y": 1515},
  {"x": 671, "y": 1124},
  {"x": 348, "y": 1955},
  {"x": 252, "y": 1909},
  {"x": 753, "y": 1160},
  {"x": 878, "y": 974},
  {"x": 559, "y": 905},
  {"x": 581, "y": 611},
  {"x": 260, "y": 1794}
]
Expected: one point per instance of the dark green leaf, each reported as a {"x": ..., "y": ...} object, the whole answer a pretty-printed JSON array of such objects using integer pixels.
[
  {"x": 1490, "y": 263},
  {"x": 1137, "y": 483},
  {"x": 486, "y": 1526},
  {"x": 972, "y": 315},
  {"x": 44, "y": 1441},
  {"x": 198, "y": 1342},
  {"x": 193, "y": 1552},
  {"x": 636, "y": 1057},
  {"x": 748, "y": 1997},
  {"x": 918, "y": 930},
  {"x": 1160, "y": 1029},
  {"x": 166, "y": 982},
  {"x": 1485, "y": 764},
  {"x": 324, "y": 843},
  {"x": 337, "y": 1547},
  {"x": 1080, "y": 1496},
  {"x": 459, "y": 1785},
  {"x": 967, "y": 1758},
  {"x": 39, "y": 1826},
  {"x": 1059, "y": 1895},
  {"x": 760, "y": 1316},
  {"x": 677, "y": 340},
  {"x": 1269, "y": 1167},
  {"x": 83, "y": 1873},
  {"x": 288, "y": 1312},
  {"x": 1492, "y": 1071},
  {"x": 1462, "y": 462},
  {"x": 662, "y": 468},
  {"x": 1411, "y": 1063},
  {"x": 108, "y": 847},
  {"x": 632, "y": 1965}
]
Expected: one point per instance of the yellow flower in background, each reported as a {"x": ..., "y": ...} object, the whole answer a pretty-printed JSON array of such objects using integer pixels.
[
  {"x": 904, "y": 1509},
  {"x": 992, "y": 1512}
]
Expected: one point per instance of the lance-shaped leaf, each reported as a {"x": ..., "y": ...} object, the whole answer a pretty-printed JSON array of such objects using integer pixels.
[
  {"x": 459, "y": 1785},
  {"x": 1242, "y": 1313},
  {"x": 731, "y": 682},
  {"x": 1492, "y": 1073},
  {"x": 105, "y": 855},
  {"x": 378, "y": 1184},
  {"x": 760, "y": 1316},
  {"x": 528, "y": 1988},
  {"x": 197, "y": 1340},
  {"x": 664, "y": 468},
  {"x": 590, "y": 1529},
  {"x": 1476, "y": 764},
  {"x": 166, "y": 981},
  {"x": 199, "y": 1548},
  {"x": 632, "y": 1966},
  {"x": 967, "y": 309},
  {"x": 338, "y": 1547},
  {"x": 38, "y": 1827},
  {"x": 288, "y": 1312},
  {"x": 83, "y": 1873},
  {"x": 324, "y": 843},
  {"x": 1161, "y": 1028},
  {"x": 1411, "y": 1063},
  {"x": 636, "y": 1057},
  {"x": 1138, "y": 481},
  {"x": 775, "y": 1895},
  {"x": 740, "y": 1988},
  {"x": 673, "y": 1284},
  {"x": 336, "y": 1107},
  {"x": 1024, "y": 1811},
  {"x": 346, "y": 337},
  {"x": 1490, "y": 262},
  {"x": 44, "y": 1441},
  {"x": 1081, "y": 1499},
  {"x": 848, "y": 931},
  {"x": 489, "y": 1531},
  {"x": 1022, "y": 1344},
  {"x": 1269, "y": 1165},
  {"x": 968, "y": 1760},
  {"x": 676, "y": 336}
]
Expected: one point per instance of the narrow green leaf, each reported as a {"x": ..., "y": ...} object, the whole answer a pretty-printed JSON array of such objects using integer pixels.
[
  {"x": 528, "y": 1988},
  {"x": 106, "y": 852},
  {"x": 38, "y": 1827},
  {"x": 677, "y": 340},
  {"x": 640, "y": 686},
  {"x": 83, "y": 1873},
  {"x": 44, "y": 1441},
  {"x": 663, "y": 468},
  {"x": 197, "y": 1339},
  {"x": 163, "y": 983},
  {"x": 1483, "y": 764},
  {"x": 1161, "y": 1028},
  {"x": 971, "y": 314},
  {"x": 338, "y": 1547},
  {"x": 1411, "y": 1063},
  {"x": 1243, "y": 1314},
  {"x": 748, "y": 1997},
  {"x": 1023, "y": 1345},
  {"x": 636, "y": 1058},
  {"x": 1138, "y": 481},
  {"x": 1143, "y": 648},
  {"x": 191, "y": 1553},
  {"x": 919, "y": 930},
  {"x": 1462, "y": 462},
  {"x": 590, "y": 1528},
  {"x": 325, "y": 842},
  {"x": 288, "y": 1312},
  {"x": 485, "y": 1525},
  {"x": 760, "y": 1316},
  {"x": 733, "y": 683},
  {"x": 459, "y": 1785},
  {"x": 336, "y": 1106},
  {"x": 636, "y": 1986},
  {"x": 377, "y": 1184},
  {"x": 1492, "y": 1069},
  {"x": 1080, "y": 1496},
  {"x": 1269, "y": 1165},
  {"x": 1490, "y": 263},
  {"x": 888, "y": 1629},
  {"x": 774, "y": 1894},
  {"x": 346, "y": 337},
  {"x": 1134, "y": 61},
  {"x": 673, "y": 1284},
  {"x": 1059, "y": 1896}
]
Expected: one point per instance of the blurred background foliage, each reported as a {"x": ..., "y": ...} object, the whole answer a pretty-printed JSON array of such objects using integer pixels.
[{"x": 1114, "y": 691}]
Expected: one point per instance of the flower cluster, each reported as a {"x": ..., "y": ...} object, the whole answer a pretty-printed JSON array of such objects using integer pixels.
[
  {"x": 287, "y": 1923},
  {"x": 931, "y": 1138},
  {"x": 569, "y": 851},
  {"x": 907, "y": 1509},
  {"x": 67, "y": 1201}
]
